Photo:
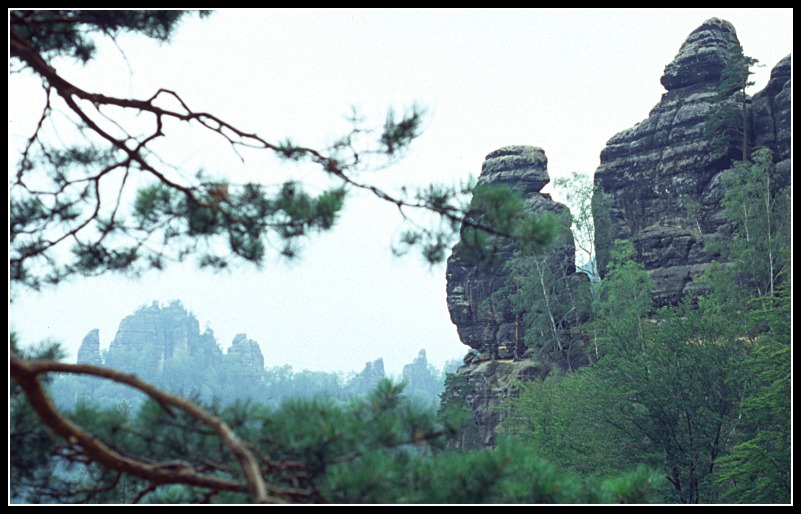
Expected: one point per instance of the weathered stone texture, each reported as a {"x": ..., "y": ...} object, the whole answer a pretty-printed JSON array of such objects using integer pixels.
[
  {"x": 478, "y": 296},
  {"x": 771, "y": 112},
  {"x": 663, "y": 176},
  {"x": 489, "y": 385},
  {"x": 664, "y": 182},
  {"x": 485, "y": 322}
]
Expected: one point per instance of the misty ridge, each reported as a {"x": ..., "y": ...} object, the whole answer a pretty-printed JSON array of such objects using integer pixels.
[{"x": 163, "y": 344}]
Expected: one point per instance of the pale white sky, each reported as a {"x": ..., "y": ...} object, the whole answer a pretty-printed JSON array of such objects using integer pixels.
[{"x": 564, "y": 80}]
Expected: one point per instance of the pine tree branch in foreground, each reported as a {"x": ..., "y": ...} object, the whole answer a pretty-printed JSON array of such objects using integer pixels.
[
  {"x": 26, "y": 372},
  {"x": 63, "y": 192}
]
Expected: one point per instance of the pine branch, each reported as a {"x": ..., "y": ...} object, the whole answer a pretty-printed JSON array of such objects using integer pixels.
[{"x": 25, "y": 373}]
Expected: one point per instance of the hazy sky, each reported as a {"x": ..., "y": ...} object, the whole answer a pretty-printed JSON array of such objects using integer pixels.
[{"x": 564, "y": 80}]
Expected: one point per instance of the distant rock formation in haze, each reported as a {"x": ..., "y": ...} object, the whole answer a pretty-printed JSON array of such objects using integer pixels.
[
  {"x": 247, "y": 357},
  {"x": 368, "y": 378},
  {"x": 422, "y": 380},
  {"x": 159, "y": 343},
  {"x": 89, "y": 351},
  {"x": 153, "y": 335}
]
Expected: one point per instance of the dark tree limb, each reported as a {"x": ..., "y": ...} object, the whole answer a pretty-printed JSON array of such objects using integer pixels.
[{"x": 26, "y": 374}]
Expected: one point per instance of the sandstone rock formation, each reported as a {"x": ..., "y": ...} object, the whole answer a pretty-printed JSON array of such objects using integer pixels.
[
  {"x": 368, "y": 378},
  {"x": 663, "y": 176},
  {"x": 478, "y": 297},
  {"x": 247, "y": 357},
  {"x": 152, "y": 335},
  {"x": 663, "y": 184},
  {"x": 484, "y": 320},
  {"x": 416, "y": 371},
  {"x": 485, "y": 386},
  {"x": 161, "y": 340},
  {"x": 421, "y": 379},
  {"x": 771, "y": 110},
  {"x": 89, "y": 351},
  {"x": 164, "y": 346}
]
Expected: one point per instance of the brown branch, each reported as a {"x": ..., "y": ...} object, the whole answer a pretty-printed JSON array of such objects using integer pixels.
[
  {"x": 40, "y": 249},
  {"x": 67, "y": 90},
  {"x": 25, "y": 373},
  {"x": 144, "y": 492},
  {"x": 35, "y": 135},
  {"x": 165, "y": 105}
]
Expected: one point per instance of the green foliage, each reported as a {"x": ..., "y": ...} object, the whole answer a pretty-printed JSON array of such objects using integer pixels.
[
  {"x": 506, "y": 474},
  {"x": 31, "y": 440},
  {"x": 672, "y": 384},
  {"x": 241, "y": 216},
  {"x": 701, "y": 393},
  {"x": 546, "y": 303},
  {"x": 63, "y": 192},
  {"x": 560, "y": 419},
  {"x": 605, "y": 231},
  {"x": 501, "y": 211},
  {"x": 579, "y": 192},
  {"x": 758, "y": 470},
  {"x": 674, "y": 390},
  {"x": 67, "y": 33},
  {"x": 623, "y": 302},
  {"x": 376, "y": 449},
  {"x": 757, "y": 201},
  {"x": 727, "y": 123},
  {"x": 398, "y": 134},
  {"x": 454, "y": 412}
]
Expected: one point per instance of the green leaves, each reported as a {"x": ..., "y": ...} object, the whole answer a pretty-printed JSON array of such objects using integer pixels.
[
  {"x": 727, "y": 123},
  {"x": 245, "y": 217},
  {"x": 757, "y": 203},
  {"x": 698, "y": 392},
  {"x": 498, "y": 216},
  {"x": 68, "y": 32},
  {"x": 397, "y": 135},
  {"x": 758, "y": 469},
  {"x": 381, "y": 448}
]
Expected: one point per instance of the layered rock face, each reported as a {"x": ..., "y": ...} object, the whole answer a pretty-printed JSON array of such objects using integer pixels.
[
  {"x": 662, "y": 176},
  {"x": 487, "y": 384},
  {"x": 663, "y": 185},
  {"x": 478, "y": 296},
  {"x": 483, "y": 319},
  {"x": 771, "y": 112}
]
